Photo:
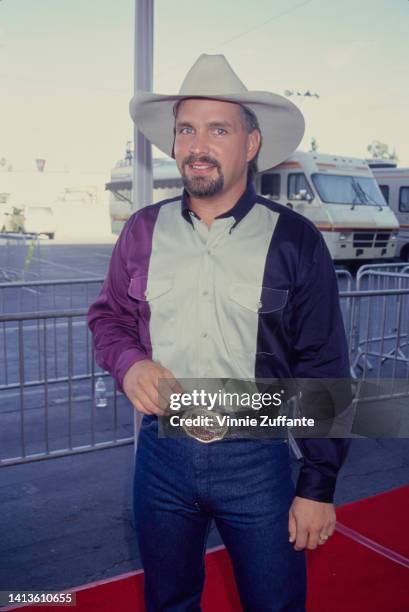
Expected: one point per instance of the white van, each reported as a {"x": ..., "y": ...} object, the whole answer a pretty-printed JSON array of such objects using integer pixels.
[
  {"x": 39, "y": 220},
  {"x": 394, "y": 184},
  {"x": 28, "y": 220},
  {"x": 341, "y": 197}
]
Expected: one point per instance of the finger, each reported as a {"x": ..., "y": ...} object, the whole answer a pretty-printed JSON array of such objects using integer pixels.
[
  {"x": 139, "y": 406},
  {"x": 323, "y": 538},
  {"x": 152, "y": 393},
  {"x": 302, "y": 537},
  {"x": 292, "y": 527},
  {"x": 172, "y": 381},
  {"x": 146, "y": 402},
  {"x": 313, "y": 538},
  {"x": 165, "y": 392},
  {"x": 330, "y": 529}
]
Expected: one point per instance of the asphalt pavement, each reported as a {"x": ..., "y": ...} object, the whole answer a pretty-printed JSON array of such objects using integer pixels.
[{"x": 68, "y": 521}]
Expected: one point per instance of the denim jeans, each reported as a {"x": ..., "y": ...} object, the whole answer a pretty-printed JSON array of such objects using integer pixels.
[{"x": 180, "y": 484}]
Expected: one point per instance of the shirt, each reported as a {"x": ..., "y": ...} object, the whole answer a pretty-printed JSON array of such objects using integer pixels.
[{"x": 253, "y": 296}]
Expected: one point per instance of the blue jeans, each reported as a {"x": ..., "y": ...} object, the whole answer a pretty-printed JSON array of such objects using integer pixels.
[{"x": 246, "y": 487}]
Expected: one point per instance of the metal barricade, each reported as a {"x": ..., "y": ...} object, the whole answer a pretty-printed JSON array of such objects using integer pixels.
[
  {"x": 345, "y": 279},
  {"x": 378, "y": 332},
  {"x": 19, "y": 257},
  {"x": 47, "y": 390},
  {"x": 345, "y": 283},
  {"x": 48, "y": 374},
  {"x": 374, "y": 276},
  {"x": 33, "y": 296}
]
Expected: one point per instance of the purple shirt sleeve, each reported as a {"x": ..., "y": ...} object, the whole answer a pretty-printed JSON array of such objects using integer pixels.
[
  {"x": 320, "y": 350},
  {"x": 113, "y": 317}
]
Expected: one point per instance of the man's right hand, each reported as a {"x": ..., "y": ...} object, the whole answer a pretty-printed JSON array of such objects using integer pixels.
[{"x": 141, "y": 386}]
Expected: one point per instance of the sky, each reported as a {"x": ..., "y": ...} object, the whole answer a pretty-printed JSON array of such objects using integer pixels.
[{"x": 66, "y": 70}]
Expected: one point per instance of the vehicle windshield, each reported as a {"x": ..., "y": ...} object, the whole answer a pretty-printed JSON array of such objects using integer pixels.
[{"x": 342, "y": 189}]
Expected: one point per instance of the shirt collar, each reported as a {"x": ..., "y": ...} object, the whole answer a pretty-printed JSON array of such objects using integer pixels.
[{"x": 243, "y": 205}]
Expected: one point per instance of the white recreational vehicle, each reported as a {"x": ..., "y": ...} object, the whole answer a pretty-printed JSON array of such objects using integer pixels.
[
  {"x": 338, "y": 194},
  {"x": 394, "y": 184},
  {"x": 166, "y": 184},
  {"x": 341, "y": 197}
]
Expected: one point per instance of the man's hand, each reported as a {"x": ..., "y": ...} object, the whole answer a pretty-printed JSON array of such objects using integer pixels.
[
  {"x": 310, "y": 522},
  {"x": 141, "y": 385}
]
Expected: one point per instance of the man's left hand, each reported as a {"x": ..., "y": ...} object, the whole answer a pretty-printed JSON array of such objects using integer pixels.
[{"x": 310, "y": 522}]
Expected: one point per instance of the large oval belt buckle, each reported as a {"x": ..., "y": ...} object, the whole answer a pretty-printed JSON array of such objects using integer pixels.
[{"x": 207, "y": 429}]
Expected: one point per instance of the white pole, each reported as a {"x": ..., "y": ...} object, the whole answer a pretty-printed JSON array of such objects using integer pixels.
[
  {"x": 142, "y": 161},
  {"x": 143, "y": 79}
]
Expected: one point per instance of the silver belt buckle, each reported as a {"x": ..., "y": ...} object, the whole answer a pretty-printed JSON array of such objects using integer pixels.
[{"x": 204, "y": 433}]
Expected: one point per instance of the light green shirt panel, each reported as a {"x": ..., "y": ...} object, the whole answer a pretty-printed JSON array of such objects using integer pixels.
[{"x": 204, "y": 287}]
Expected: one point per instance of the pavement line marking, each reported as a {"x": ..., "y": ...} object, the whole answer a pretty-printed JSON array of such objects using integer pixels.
[
  {"x": 31, "y": 290},
  {"x": 60, "y": 265},
  {"x": 104, "y": 256}
]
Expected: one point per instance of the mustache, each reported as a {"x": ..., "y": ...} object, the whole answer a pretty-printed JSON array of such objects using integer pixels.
[{"x": 204, "y": 159}]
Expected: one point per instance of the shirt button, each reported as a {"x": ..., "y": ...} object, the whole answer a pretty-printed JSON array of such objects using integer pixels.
[
  {"x": 204, "y": 334},
  {"x": 209, "y": 251},
  {"x": 205, "y": 292}
]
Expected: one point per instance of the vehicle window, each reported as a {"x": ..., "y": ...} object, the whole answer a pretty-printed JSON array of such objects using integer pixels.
[
  {"x": 270, "y": 185},
  {"x": 404, "y": 199},
  {"x": 345, "y": 189},
  {"x": 385, "y": 192},
  {"x": 296, "y": 183}
]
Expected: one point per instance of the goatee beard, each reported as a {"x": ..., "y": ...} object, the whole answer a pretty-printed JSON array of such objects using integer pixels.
[{"x": 202, "y": 186}]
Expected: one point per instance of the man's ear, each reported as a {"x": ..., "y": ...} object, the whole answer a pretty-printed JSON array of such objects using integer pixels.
[{"x": 253, "y": 144}]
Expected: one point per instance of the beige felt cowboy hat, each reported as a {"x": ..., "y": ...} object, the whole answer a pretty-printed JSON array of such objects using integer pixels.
[{"x": 211, "y": 76}]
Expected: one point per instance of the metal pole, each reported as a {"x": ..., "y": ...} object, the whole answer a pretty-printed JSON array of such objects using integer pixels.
[{"x": 143, "y": 79}]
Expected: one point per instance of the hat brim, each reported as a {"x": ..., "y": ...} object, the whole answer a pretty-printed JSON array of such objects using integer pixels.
[{"x": 281, "y": 122}]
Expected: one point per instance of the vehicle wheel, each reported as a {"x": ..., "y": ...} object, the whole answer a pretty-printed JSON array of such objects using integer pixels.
[{"x": 51, "y": 236}]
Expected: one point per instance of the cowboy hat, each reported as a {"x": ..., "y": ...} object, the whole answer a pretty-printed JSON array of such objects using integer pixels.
[{"x": 211, "y": 76}]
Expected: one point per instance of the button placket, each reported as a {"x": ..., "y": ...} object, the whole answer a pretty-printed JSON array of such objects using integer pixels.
[{"x": 203, "y": 330}]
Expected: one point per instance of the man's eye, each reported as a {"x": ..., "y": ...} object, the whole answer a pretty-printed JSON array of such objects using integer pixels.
[
  {"x": 185, "y": 130},
  {"x": 220, "y": 131}
]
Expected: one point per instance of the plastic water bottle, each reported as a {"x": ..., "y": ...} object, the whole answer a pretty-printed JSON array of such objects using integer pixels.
[{"x": 101, "y": 400}]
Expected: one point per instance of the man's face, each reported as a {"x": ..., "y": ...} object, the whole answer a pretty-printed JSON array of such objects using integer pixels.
[{"x": 212, "y": 146}]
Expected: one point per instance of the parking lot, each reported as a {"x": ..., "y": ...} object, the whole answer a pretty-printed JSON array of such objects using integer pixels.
[{"x": 69, "y": 518}]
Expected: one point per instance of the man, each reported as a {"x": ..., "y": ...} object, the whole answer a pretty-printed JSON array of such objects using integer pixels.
[{"x": 222, "y": 283}]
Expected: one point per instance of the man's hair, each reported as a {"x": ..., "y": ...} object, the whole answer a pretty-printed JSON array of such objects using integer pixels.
[{"x": 249, "y": 122}]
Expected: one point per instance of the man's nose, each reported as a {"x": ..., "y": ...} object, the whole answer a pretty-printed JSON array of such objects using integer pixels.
[{"x": 199, "y": 143}]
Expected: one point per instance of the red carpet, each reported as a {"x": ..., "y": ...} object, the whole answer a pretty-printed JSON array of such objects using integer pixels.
[{"x": 344, "y": 575}]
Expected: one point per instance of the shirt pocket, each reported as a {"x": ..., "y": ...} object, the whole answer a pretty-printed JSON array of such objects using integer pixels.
[
  {"x": 156, "y": 308},
  {"x": 254, "y": 309}
]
